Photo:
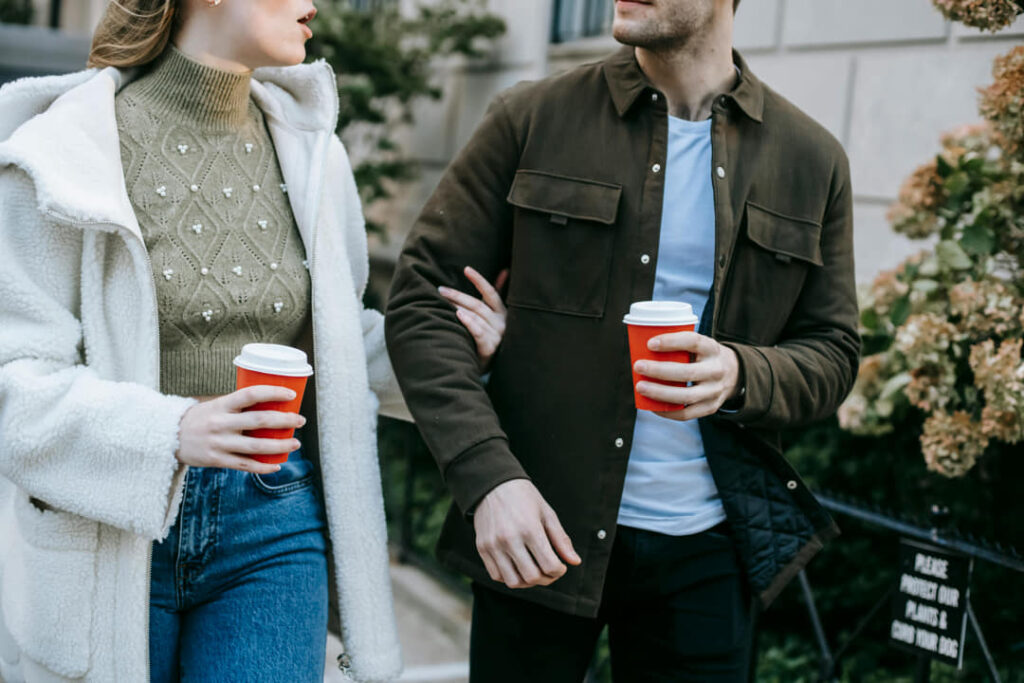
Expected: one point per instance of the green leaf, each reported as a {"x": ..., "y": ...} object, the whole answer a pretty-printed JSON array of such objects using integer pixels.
[
  {"x": 978, "y": 239},
  {"x": 928, "y": 268},
  {"x": 900, "y": 311},
  {"x": 895, "y": 385},
  {"x": 884, "y": 408},
  {"x": 972, "y": 397},
  {"x": 925, "y": 286},
  {"x": 974, "y": 165},
  {"x": 958, "y": 186},
  {"x": 952, "y": 256},
  {"x": 944, "y": 169},
  {"x": 869, "y": 318}
]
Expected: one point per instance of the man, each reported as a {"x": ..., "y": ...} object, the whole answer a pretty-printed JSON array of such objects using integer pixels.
[{"x": 669, "y": 172}]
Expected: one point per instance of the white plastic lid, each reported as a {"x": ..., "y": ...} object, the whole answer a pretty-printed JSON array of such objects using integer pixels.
[
  {"x": 660, "y": 313},
  {"x": 274, "y": 359}
]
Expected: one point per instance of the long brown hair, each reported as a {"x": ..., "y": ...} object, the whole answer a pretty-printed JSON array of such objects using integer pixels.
[{"x": 133, "y": 32}]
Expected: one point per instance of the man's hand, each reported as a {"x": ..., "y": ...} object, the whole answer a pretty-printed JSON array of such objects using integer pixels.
[
  {"x": 517, "y": 535},
  {"x": 714, "y": 375}
]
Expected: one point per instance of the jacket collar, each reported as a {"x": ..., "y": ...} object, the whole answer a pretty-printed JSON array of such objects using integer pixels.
[
  {"x": 69, "y": 145},
  {"x": 627, "y": 82}
]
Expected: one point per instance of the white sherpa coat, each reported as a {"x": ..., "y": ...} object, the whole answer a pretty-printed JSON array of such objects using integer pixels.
[{"x": 83, "y": 427}]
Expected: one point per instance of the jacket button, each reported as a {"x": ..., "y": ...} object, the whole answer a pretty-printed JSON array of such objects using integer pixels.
[
  {"x": 721, "y": 261},
  {"x": 656, "y": 168},
  {"x": 791, "y": 485},
  {"x": 602, "y": 534},
  {"x": 720, "y": 172},
  {"x": 645, "y": 259},
  {"x": 619, "y": 443},
  {"x": 654, "y": 97}
]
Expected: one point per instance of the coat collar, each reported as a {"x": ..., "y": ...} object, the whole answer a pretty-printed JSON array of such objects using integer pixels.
[
  {"x": 627, "y": 82},
  {"x": 69, "y": 145}
]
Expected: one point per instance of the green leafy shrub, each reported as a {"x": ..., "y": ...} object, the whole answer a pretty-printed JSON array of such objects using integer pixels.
[{"x": 385, "y": 61}]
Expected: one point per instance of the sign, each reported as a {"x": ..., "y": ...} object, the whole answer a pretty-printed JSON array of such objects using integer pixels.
[{"x": 929, "y": 605}]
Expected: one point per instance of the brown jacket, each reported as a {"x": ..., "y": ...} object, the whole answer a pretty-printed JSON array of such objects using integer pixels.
[{"x": 563, "y": 183}]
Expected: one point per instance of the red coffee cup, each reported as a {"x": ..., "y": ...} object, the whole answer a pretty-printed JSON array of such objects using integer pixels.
[
  {"x": 279, "y": 366},
  {"x": 646, "y": 320}
]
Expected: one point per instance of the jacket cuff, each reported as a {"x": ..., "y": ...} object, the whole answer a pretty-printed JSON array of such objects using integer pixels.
[
  {"x": 758, "y": 382},
  {"x": 480, "y": 468}
]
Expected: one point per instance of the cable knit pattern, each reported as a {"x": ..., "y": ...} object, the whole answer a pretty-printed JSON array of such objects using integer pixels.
[{"x": 204, "y": 180}]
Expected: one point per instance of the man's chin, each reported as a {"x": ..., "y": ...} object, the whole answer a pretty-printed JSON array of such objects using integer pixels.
[
  {"x": 633, "y": 38},
  {"x": 627, "y": 35}
]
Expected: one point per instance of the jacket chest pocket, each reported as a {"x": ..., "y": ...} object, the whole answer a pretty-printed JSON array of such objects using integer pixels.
[
  {"x": 49, "y": 577},
  {"x": 563, "y": 243},
  {"x": 772, "y": 259}
]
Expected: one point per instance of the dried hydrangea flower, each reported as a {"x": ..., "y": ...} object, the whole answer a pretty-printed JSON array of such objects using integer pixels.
[
  {"x": 914, "y": 213},
  {"x": 1002, "y": 103},
  {"x": 952, "y": 443},
  {"x": 988, "y": 15}
]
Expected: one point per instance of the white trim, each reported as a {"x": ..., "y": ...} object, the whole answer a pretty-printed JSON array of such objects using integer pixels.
[{"x": 435, "y": 673}]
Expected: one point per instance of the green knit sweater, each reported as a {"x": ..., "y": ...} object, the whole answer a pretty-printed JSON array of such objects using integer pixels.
[{"x": 228, "y": 261}]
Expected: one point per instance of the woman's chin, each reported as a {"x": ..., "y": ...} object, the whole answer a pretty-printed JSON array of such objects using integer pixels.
[{"x": 289, "y": 57}]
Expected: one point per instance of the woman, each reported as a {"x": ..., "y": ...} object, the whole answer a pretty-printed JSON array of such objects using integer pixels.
[{"x": 151, "y": 222}]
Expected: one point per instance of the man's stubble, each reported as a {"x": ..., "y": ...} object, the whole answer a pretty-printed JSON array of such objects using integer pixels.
[{"x": 672, "y": 26}]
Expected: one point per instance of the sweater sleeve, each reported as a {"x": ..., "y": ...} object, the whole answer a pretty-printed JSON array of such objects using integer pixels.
[{"x": 78, "y": 442}]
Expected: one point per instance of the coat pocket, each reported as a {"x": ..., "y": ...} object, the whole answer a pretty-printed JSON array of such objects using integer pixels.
[
  {"x": 562, "y": 242},
  {"x": 770, "y": 263},
  {"x": 49, "y": 579}
]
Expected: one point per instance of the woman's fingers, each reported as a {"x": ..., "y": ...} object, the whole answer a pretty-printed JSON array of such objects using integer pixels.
[
  {"x": 501, "y": 281},
  {"x": 247, "y": 445},
  {"x": 490, "y": 294},
  {"x": 486, "y": 338},
  {"x": 463, "y": 300},
  {"x": 263, "y": 419},
  {"x": 249, "y": 396},
  {"x": 235, "y": 462}
]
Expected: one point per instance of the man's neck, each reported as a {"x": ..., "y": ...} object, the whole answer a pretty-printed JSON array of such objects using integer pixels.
[{"x": 693, "y": 75}]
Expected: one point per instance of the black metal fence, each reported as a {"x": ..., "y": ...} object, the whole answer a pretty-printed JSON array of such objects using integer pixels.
[
  {"x": 938, "y": 534},
  {"x": 417, "y": 500}
]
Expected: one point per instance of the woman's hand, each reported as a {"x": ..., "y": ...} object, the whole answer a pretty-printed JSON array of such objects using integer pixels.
[
  {"x": 485, "y": 319},
  {"x": 210, "y": 433}
]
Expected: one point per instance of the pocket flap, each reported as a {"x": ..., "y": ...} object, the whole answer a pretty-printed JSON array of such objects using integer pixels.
[
  {"x": 47, "y": 587},
  {"x": 566, "y": 197},
  {"x": 787, "y": 237}
]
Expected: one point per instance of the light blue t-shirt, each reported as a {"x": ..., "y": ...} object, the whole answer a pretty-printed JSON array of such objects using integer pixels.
[{"x": 668, "y": 487}]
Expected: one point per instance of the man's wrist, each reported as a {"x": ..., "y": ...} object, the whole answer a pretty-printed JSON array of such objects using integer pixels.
[{"x": 736, "y": 398}]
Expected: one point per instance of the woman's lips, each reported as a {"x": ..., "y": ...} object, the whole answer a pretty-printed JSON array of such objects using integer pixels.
[{"x": 305, "y": 23}]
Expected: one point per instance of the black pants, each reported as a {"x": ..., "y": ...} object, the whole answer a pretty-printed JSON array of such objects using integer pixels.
[{"x": 676, "y": 607}]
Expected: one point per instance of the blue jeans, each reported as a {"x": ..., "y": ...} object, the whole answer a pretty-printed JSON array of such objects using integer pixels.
[{"x": 239, "y": 587}]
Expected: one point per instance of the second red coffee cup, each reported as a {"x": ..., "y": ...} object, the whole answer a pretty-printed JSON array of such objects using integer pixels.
[
  {"x": 279, "y": 366},
  {"x": 646, "y": 320}
]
